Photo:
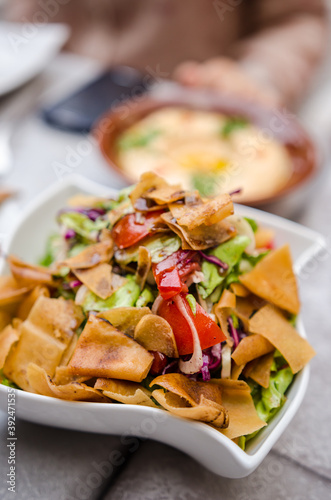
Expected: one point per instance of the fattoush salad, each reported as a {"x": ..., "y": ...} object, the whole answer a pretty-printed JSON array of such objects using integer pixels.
[{"x": 161, "y": 298}]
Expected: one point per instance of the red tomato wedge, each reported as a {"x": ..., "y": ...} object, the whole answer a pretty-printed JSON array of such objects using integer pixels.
[
  {"x": 128, "y": 231},
  {"x": 208, "y": 331},
  {"x": 169, "y": 274}
]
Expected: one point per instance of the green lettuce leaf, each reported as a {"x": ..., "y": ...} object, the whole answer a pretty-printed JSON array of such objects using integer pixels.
[
  {"x": 211, "y": 281},
  {"x": 54, "y": 246},
  {"x": 146, "y": 297},
  {"x": 82, "y": 225},
  {"x": 231, "y": 251},
  {"x": 159, "y": 247}
]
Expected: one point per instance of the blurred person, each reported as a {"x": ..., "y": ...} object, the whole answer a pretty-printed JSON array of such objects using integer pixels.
[{"x": 262, "y": 50}]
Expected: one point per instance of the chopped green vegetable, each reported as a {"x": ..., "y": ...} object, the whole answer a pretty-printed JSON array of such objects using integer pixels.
[
  {"x": 76, "y": 249},
  {"x": 146, "y": 297},
  {"x": 137, "y": 140},
  {"x": 5, "y": 381},
  {"x": 211, "y": 281},
  {"x": 231, "y": 251},
  {"x": 159, "y": 247},
  {"x": 205, "y": 183},
  {"x": 192, "y": 303},
  {"x": 233, "y": 123},
  {"x": 82, "y": 224},
  {"x": 252, "y": 223},
  {"x": 54, "y": 246}
]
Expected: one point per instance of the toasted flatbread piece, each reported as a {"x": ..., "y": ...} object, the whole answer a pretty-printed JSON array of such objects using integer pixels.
[
  {"x": 149, "y": 181},
  {"x": 29, "y": 300},
  {"x": 11, "y": 292},
  {"x": 259, "y": 369},
  {"x": 201, "y": 237},
  {"x": 8, "y": 337},
  {"x": 44, "y": 337},
  {"x": 125, "y": 319},
  {"x": 28, "y": 275},
  {"x": 165, "y": 195},
  {"x": 105, "y": 352},
  {"x": 208, "y": 213},
  {"x": 125, "y": 392},
  {"x": 98, "y": 279},
  {"x": 143, "y": 266},
  {"x": 41, "y": 383},
  {"x": 251, "y": 347},
  {"x": 270, "y": 323},
  {"x": 155, "y": 334},
  {"x": 237, "y": 399},
  {"x": 273, "y": 279},
  {"x": 187, "y": 398},
  {"x": 91, "y": 256}
]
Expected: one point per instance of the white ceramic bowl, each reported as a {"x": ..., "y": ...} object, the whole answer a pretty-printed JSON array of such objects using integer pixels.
[{"x": 200, "y": 441}]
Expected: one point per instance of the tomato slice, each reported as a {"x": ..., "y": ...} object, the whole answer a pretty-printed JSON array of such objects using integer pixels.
[
  {"x": 169, "y": 274},
  {"x": 127, "y": 231},
  {"x": 208, "y": 331}
]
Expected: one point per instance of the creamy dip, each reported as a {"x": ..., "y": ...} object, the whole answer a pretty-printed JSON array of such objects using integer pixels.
[{"x": 206, "y": 151}]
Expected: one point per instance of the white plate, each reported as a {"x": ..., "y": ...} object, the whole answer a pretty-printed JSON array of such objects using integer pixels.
[
  {"x": 25, "y": 50},
  {"x": 202, "y": 442}
]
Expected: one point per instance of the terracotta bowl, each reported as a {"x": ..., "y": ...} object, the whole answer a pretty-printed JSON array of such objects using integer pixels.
[{"x": 278, "y": 124}]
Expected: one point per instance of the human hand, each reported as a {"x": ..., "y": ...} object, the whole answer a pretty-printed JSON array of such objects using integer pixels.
[{"x": 230, "y": 77}]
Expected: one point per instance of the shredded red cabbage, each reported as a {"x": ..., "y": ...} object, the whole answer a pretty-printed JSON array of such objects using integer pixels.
[
  {"x": 171, "y": 367},
  {"x": 75, "y": 283},
  {"x": 233, "y": 332},
  {"x": 236, "y": 191},
  {"x": 214, "y": 260},
  {"x": 69, "y": 234}
]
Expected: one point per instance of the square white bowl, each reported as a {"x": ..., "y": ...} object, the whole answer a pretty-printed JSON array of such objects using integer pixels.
[{"x": 204, "y": 443}]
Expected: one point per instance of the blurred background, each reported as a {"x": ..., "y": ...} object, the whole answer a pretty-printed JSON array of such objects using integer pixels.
[{"x": 221, "y": 95}]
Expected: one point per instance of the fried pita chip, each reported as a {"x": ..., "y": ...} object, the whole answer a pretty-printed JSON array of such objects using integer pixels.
[
  {"x": 201, "y": 237},
  {"x": 125, "y": 318},
  {"x": 155, "y": 334},
  {"x": 91, "y": 256},
  {"x": 115, "y": 214},
  {"x": 166, "y": 194},
  {"x": 69, "y": 351},
  {"x": 273, "y": 279},
  {"x": 28, "y": 275},
  {"x": 270, "y": 323},
  {"x": 259, "y": 369},
  {"x": 10, "y": 291},
  {"x": 97, "y": 279},
  {"x": 64, "y": 376},
  {"x": 187, "y": 398},
  {"x": 143, "y": 267},
  {"x": 148, "y": 181},
  {"x": 237, "y": 399},
  {"x": 28, "y": 301},
  {"x": 207, "y": 213},
  {"x": 228, "y": 300},
  {"x": 41, "y": 383},
  {"x": 239, "y": 290},
  {"x": 246, "y": 307},
  {"x": 44, "y": 337},
  {"x": 236, "y": 371},
  {"x": 8, "y": 337},
  {"x": 222, "y": 311},
  {"x": 5, "y": 319},
  {"x": 125, "y": 392},
  {"x": 102, "y": 351},
  {"x": 251, "y": 347}
]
